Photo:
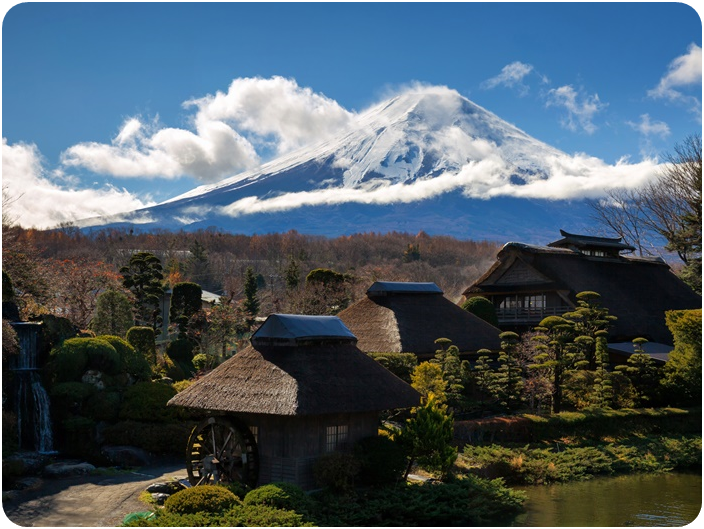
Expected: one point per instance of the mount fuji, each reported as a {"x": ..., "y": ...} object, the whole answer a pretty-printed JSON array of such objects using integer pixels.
[{"x": 428, "y": 159}]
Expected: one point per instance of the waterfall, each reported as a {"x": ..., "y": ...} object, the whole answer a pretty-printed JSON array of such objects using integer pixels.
[{"x": 32, "y": 405}]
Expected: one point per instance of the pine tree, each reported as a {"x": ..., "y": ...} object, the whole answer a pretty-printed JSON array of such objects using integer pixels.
[
  {"x": 143, "y": 276},
  {"x": 509, "y": 380},
  {"x": 251, "y": 302},
  {"x": 640, "y": 369}
]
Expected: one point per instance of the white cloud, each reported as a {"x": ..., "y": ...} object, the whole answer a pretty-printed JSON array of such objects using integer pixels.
[
  {"x": 278, "y": 107},
  {"x": 570, "y": 177},
  {"x": 511, "y": 76},
  {"x": 231, "y": 130},
  {"x": 648, "y": 128},
  {"x": 39, "y": 202},
  {"x": 683, "y": 72},
  {"x": 581, "y": 108}
]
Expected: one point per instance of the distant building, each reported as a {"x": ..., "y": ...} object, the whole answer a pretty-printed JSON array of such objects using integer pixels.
[
  {"x": 301, "y": 390},
  {"x": 400, "y": 317},
  {"x": 528, "y": 283}
]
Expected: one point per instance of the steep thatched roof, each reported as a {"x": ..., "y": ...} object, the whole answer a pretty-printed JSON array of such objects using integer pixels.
[
  {"x": 397, "y": 319},
  {"x": 322, "y": 377},
  {"x": 638, "y": 290}
]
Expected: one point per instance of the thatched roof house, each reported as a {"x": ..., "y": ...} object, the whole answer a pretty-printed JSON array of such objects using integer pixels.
[
  {"x": 528, "y": 283},
  {"x": 409, "y": 317},
  {"x": 304, "y": 388}
]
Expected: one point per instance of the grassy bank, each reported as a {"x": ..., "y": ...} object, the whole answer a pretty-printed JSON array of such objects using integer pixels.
[{"x": 578, "y": 445}]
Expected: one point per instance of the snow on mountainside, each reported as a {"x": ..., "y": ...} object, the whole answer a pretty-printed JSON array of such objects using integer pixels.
[{"x": 425, "y": 146}]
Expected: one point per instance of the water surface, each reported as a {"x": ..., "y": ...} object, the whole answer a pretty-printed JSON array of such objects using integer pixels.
[{"x": 641, "y": 500}]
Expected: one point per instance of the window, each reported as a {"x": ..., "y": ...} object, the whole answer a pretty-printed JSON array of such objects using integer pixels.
[
  {"x": 255, "y": 433},
  {"x": 336, "y": 436}
]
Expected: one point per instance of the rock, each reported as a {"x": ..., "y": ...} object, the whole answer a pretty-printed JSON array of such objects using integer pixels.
[
  {"x": 126, "y": 456},
  {"x": 166, "y": 487},
  {"x": 24, "y": 463},
  {"x": 93, "y": 377},
  {"x": 58, "y": 470},
  {"x": 28, "y": 483},
  {"x": 160, "y": 497}
]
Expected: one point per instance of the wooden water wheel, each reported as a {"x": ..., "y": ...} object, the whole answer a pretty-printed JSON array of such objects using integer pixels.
[{"x": 222, "y": 450}]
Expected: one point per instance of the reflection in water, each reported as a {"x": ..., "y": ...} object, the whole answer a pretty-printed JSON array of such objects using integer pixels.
[{"x": 642, "y": 500}]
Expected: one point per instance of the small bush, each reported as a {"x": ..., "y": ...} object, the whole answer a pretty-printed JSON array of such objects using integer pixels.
[
  {"x": 400, "y": 364},
  {"x": 482, "y": 308},
  {"x": 204, "y": 498},
  {"x": 144, "y": 342},
  {"x": 336, "y": 471},
  {"x": 382, "y": 461},
  {"x": 103, "y": 406},
  {"x": 132, "y": 362},
  {"x": 158, "y": 438},
  {"x": 262, "y": 516},
  {"x": 281, "y": 496},
  {"x": 181, "y": 385},
  {"x": 146, "y": 401},
  {"x": 181, "y": 353}
]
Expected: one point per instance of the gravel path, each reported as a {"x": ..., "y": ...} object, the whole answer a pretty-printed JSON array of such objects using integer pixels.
[{"x": 86, "y": 501}]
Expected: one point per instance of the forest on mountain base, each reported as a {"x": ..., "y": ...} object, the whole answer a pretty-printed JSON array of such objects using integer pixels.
[{"x": 71, "y": 259}]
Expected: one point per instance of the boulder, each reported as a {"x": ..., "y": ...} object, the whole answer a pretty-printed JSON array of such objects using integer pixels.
[
  {"x": 165, "y": 487},
  {"x": 126, "y": 456},
  {"x": 58, "y": 470},
  {"x": 160, "y": 497},
  {"x": 94, "y": 378}
]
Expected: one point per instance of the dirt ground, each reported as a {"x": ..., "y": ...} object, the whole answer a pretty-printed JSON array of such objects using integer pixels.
[{"x": 86, "y": 501}]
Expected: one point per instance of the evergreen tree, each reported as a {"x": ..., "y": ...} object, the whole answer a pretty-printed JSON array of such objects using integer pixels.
[
  {"x": 603, "y": 391},
  {"x": 427, "y": 380},
  {"x": 186, "y": 300},
  {"x": 683, "y": 371},
  {"x": 640, "y": 369},
  {"x": 588, "y": 318},
  {"x": 113, "y": 314},
  {"x": 198, "y": 264},
  {"x": 509, "y": 379},
  {"x": 143, "y": 276},
  {"x": 556, "y": 354},
  {"x": 428, "y": 438},
  {"x": 251, "y": 302},
  {"x": 454, "y": 372},
  {"x": 292, "y": 274},
  {"x": 484, "y": 378}
]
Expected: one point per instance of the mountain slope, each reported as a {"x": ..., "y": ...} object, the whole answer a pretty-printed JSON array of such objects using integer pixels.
[{"x": 427, "y": 159}]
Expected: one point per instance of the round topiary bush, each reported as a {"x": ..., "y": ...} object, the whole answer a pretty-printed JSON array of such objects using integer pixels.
[
  {"x": 482, "y": 308},
  {"x": 103, "y": 406},
  {"x": 144, "y": 342},
  {"x": 280, "y": 495},
  {"x": 132, "y": 362},
  {"x": 146, "y": 401},
  {"x": 203, "y": 498},
  {"x": 382, "y": 460}
]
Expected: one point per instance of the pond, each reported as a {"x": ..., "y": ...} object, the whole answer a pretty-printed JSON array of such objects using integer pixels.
[{"x": 641, "y": 500}]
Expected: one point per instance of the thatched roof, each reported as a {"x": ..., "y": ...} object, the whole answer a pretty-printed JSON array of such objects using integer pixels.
[
  {"x": 319, "y": 378},
  {"x": 638, "y": 290},
  {"x": 409, "y": 321}
]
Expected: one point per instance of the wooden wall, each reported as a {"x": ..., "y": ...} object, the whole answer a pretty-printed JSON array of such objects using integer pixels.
[{"x": 289, "y": 446}]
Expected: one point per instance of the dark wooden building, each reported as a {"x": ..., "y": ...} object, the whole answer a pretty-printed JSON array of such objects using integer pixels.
[
  {"x": 401, "y": 317},
  {"x": 528, "y": 283},
  {"x": 303, "y": 389}
]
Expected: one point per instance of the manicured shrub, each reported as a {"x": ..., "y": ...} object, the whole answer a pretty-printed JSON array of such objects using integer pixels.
[
  {"x": 146, "y": 401},
  {"x": 158, "y": 438},
  {"x": 382, "y": 461},
  {"x": 400, "y": 364},
  {"x": 181, "y": 353},
  {"x": 262, "y": 516},
  {"x": 281, "y": 496},
  {"x": 144, "y": 342},
  {"x": 76, "y": 355},
  {"x": 103, "y": 406},
  {"x": 204, "y": 498},
  {"x": 132, "y": 362},
  {"x": 336, "y": 471},
  {"x": 181, "y": 385},
  {"x": 167, "y": 368},
  {"x": 482, "y": 308},
  {"x": 185, "y": 302}
]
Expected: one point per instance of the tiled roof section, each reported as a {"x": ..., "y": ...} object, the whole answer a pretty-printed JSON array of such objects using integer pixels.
[
  {"x": 381, "y": 288},
  {"x": 293, "y": 328},
  {"x": 572, "y": 239}
]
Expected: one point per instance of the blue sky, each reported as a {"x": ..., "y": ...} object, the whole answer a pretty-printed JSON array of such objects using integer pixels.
[{"x": 95, "y": 96}]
